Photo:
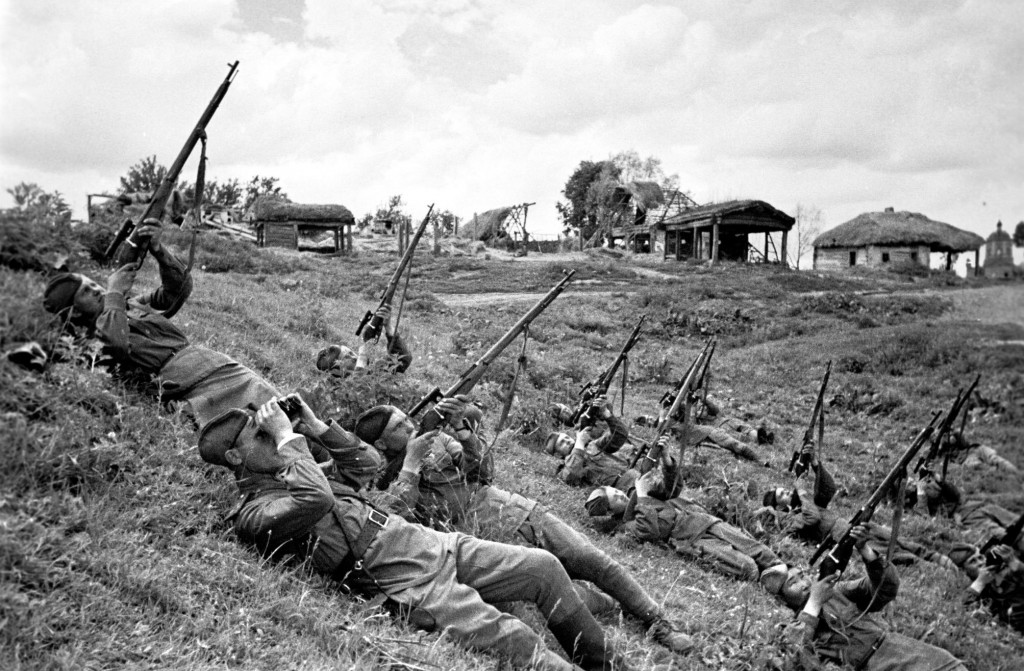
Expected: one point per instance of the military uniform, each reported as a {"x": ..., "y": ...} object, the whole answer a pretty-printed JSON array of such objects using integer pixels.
[
  {"x": 138, "y": 339},
  {"x": 448, "y": 581},
  {"x": 848, "y": 630},
  {"x": 982, "y": 518},
  {"x": 603, "y": 461},
  {"x": 453, "y": 488},
  {"x": 697, "y": 534}
]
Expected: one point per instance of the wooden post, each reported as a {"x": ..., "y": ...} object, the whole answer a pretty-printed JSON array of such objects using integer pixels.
[
  {"x": 400, "y": 232},
  {"x": 714, "y": 241},
  {"x": 785, "y": 239},
  {"x": 348, "y": 237},
  {"x": 766, "y": 234},
  {"x": 949, "y": 260},
  {"x": 977, "y": 260},
  {"x": 693, "y": 252},
  {"x": 295, "y": 235},
  {"x": 437, "y": 236}
]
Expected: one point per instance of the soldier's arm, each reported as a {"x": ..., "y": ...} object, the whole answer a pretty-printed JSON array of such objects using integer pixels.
[
  {"x": 354, "y": 460},
  {"x": 398, "y": 349},
  {"x": 878, "y": 588},
  {"x": 824, "y": 485},
  {"x": 175, "y": 282},
  {"x": 614, "y": 438},
  {"x": 654, "y": 520},
  {"x": 277, "y": 519}
]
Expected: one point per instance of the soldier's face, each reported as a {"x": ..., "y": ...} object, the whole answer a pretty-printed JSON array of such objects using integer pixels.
[
  {"x": 974, "y": 564},
  {"x": 255, "y": 450},
  {"x": 796, "y": 589},
  {"x": 563, "y": 444},
  {"x": 89, "y": 298},
  {"x": 399, "y": 431},
  {"x": 783, "y": 499}
]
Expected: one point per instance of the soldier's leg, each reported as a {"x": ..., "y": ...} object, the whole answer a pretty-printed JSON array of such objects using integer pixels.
[
  {"x": 445, "y": 604},
  {"x": 585, "y": 561},
  {"x": 743, "y": 543},
  {"x": 502, "y": 573},
  {"x": 722, "y": 556},
  {"x": 724, "y": 440}
]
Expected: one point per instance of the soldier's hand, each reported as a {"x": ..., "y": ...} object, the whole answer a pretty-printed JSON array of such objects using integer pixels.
[
  {"x": 271, "y": 419},
  {"x": 823, "y": 589},
  {"x": 860, "y": 535},
  {"x": 122, "y": 279},
  {"x": 148, "y": 234},
  {"x": 603, "y": 406},
  {"x": 309, "y": 424},
  {"x": 650, "y": 482},
  {"x": 418, "y": 448},
  {"x": 451, "y": 408}
]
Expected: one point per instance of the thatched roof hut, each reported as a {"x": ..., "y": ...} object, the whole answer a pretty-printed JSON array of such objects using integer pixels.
[
  {"x": 898, "y": 229},
  {"x": 485, "y": 226},
  {"x": 273, "y": 209},
  {"x": 644, "y": 195},
  {"x": 281, "y": 223}
]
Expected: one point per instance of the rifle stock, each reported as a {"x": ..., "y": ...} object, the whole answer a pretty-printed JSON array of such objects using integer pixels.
[
  {"x": 585, "y": 413},
  {"x": 801, "y": 460},
  {"x": 839, "y": 550},
  {"x": 476, "y": 371},
  {"x": 136, "y": 252},
  {"x": 371, "y": 322}
]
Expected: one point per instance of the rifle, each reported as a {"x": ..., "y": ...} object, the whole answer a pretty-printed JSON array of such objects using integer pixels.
[
  {"x": 923, "y": 466},
  {"x": 155, "y": 209},
  {"x": 370, "y": 321},
  {"x": 801, "y": 460},
  {"x": 840, "y": 550},
  {"x": 674, "y": 400},
  {"x": 585, "y": 414},
  {"x": 1009, "y": 538},
  {"x": 475, "y": 372}
]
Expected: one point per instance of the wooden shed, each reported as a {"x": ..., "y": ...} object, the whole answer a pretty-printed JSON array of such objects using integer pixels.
[
  {"x": 321, "y": 228},
  {"x": 880, "y": 239},
  {"x": 711, "y": 232}
]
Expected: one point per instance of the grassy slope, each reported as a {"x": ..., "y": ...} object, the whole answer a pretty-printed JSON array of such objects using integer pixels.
[{"x": 112, "y": 548}]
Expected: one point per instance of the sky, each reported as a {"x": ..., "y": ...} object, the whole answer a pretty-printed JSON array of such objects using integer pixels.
[{"x": 846, "y": 106}]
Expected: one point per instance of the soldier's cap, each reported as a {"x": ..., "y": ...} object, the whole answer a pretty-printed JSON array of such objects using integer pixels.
[
  {"x": 219, "y": 435},
  {"x": 552, "y": 439},
  {"x": 774, "y": 577},
  {"x": 371, "y": 424},
  {"x": 60, "y": 292},
  {"x": 961, "y": 552},
  {"x": 29, "y": 356},
  {"x": 560, "y": 412},
  {"x": 339, "y": 360},
  {"x": 600, "y": 501}
]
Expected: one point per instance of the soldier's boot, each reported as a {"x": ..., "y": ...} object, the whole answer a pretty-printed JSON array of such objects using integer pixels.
[
  {"x": 664, "y": 633},
  {"x": 584, "y": 641}
]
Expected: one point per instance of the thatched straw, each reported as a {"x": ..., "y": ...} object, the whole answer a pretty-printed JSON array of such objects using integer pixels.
[
  {"x": 899, "y": 229},
  {"x": 487, "y": 225},
  {"x": 271, "y": 209},
  {"x": 645, "y": 194}
]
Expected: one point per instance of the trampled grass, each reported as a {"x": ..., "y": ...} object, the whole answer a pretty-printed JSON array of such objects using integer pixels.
[{"x": 113, "y": 552}]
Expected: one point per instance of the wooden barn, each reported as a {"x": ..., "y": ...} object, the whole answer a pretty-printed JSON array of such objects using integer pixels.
[
  {"x": 320, "y": 228},
  {"x": 718, "y": 231},
  {"x": 881, "y": 239}
]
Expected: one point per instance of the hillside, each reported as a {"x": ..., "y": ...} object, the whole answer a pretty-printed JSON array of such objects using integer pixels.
[{"x": 114, "y": 554}]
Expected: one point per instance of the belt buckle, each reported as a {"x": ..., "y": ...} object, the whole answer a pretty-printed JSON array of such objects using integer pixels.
[{"x": 378, "y": 518}]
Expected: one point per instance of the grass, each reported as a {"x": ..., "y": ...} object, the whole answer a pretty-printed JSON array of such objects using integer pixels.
[{"x": 113, "y": 551}]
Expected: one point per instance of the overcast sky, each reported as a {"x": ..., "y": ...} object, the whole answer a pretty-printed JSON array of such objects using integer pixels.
[{"x": 474, "y": 104}]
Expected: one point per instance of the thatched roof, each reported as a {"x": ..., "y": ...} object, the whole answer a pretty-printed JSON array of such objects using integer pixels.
[
  {"x": 891, "y": 228},
  {"x": 485, "y": 226},
  {"x": 759, "y": 208},
  {"x": 645, "y": 194},
  {"x": 275, "y": 209}
]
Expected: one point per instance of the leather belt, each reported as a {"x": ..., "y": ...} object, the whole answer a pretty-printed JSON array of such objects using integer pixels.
[{"x": 376, "y": 521}]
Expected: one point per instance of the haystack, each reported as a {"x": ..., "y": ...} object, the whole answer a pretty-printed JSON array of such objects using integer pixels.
[{"x": 486, "y": 226}]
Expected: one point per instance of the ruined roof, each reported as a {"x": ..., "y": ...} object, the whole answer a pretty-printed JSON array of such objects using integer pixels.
[
  {"x": 645, "y": 194},
  {"x": 484, "y": 226},
  {"x": 731, "y": 207},
  {"x": 899, "y": 228}
]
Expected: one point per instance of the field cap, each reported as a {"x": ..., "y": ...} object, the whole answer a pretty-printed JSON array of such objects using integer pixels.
[
  {"x": 60, "y": 292},
  {"x": 219, "y": 435}
]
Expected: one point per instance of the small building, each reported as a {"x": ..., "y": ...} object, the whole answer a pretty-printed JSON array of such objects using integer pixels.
[
  {"x": 718, "y": 231},
  {"x": 321, "y": 228},
  {"x": 998, "y": 254},
  {"x": 882, "y": 239}
]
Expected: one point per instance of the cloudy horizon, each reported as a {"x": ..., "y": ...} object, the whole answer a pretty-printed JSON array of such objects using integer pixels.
[{"x": 847, "y": 106}]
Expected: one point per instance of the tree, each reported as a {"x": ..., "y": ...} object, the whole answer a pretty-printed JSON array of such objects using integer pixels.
[
  {"x": 632, "y": 168},
  {"x": 144, "y": 176},
  {"x": 227, "y": 194},
  {"x": 262, "y": 186},
  {"x": 1018, "y": 235},
  {"x": 576, "y": 215},
  {"x": 808, "y": 226},
  {"x": 30, "y": 198},
  {"x": 446, "y": 221}
]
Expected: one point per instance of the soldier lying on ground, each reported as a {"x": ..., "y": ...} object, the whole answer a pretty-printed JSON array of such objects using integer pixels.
[
  {"x": 139, "y": 339},
  {"x": 340, "y": 361},
  {"x": 687, "y": 527},
  {"x": 981, "y": 519},
  {"x": 591, "y": 458},
  {"x": 445, "y": 482},
  {"x": 806, "y": 516},
  {"x": 999, "y": 585},
  {"x": 974, "y": 455},
  {"x": 838, "y": 621},
  {"x": 446, "y": 581},
  {"x": 714, "y": 431}
]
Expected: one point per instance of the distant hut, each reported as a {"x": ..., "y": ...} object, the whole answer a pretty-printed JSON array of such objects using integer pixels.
[
  {"x": 710, "y": 232},
  {"x": 322, "y": 228},
  {"x": 999, "y": 253},
  {"x": 879, "y": 239}
]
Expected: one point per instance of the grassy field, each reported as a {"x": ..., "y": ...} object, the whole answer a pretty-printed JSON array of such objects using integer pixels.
[{"x": 113, "y": 552}]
